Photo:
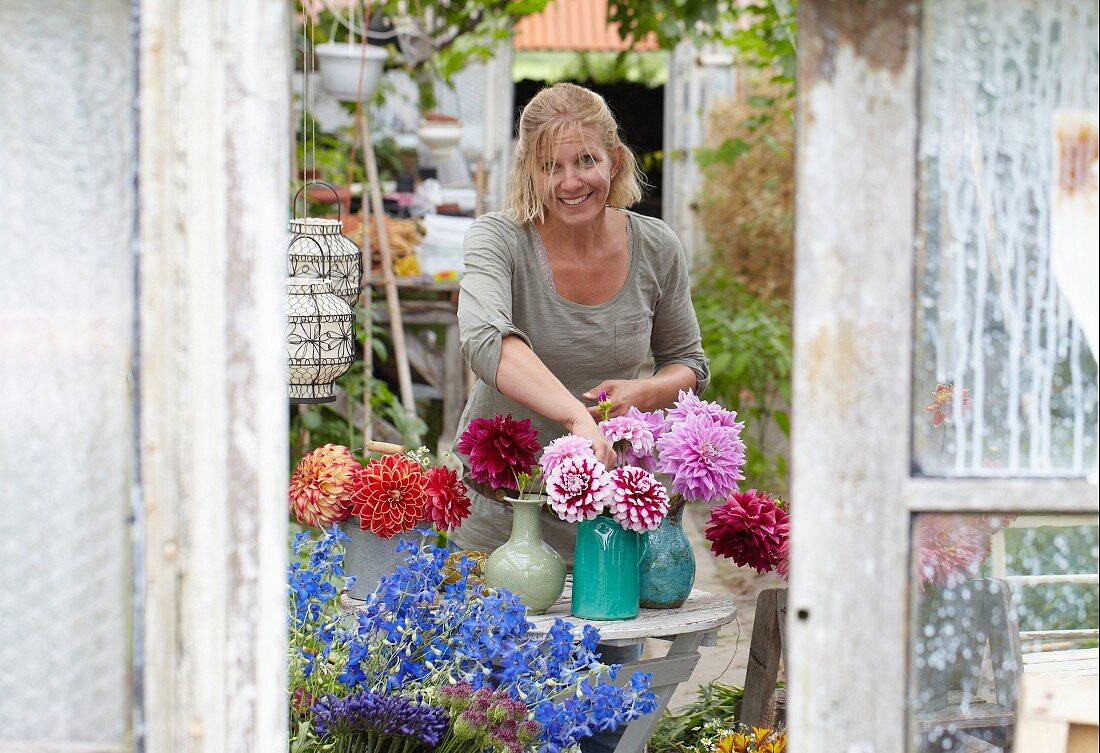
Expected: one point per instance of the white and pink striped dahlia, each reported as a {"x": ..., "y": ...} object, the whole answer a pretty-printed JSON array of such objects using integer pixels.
[
  {"x": 638, "y": 501},
  {"x": 579, "y": 489}
]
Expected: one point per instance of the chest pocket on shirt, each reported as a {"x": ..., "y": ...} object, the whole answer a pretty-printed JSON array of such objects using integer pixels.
[{"x": 631, "y": 342}]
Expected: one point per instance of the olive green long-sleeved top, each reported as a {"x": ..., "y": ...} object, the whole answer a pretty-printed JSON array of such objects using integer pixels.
[{"x": 506, "y": 291}]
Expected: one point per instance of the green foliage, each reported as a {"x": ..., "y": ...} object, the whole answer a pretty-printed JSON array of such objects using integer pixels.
[
  {"x": 748, "y": 340},
  {"x": 681, "y": 730}
]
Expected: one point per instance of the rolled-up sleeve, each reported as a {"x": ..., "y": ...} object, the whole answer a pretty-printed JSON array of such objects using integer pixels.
[
  {"x": 485, "y": 297},
  {"x": 676, "y": 337}
]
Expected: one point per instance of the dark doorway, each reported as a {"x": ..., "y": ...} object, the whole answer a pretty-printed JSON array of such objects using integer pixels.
[{"x": 641, "y": 114}]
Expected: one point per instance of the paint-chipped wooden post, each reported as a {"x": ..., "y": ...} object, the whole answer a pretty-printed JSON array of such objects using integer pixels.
[
  {"x": 213, "y": 172},
  {"x": 857, "y": 134}
]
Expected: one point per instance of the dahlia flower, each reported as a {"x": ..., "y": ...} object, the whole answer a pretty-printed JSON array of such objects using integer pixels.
[
  {"x": 688, "y": 404},
  {"x": 579, "y": 489},
  {"x": 749, "y": 528},
  {"x": 499, "y": 449},
  {"x": 942, "y": 406},
  {"x": 783, "y": 559},
  {"x": 447, "y": 504},
  {"x": 630, "y": 436},
  {"x": 321, "y": 484},
  {"x": 389, "y": 496},
  {"x": 638, "y": 501},
  {"x": 564, "y": 448},
  {"x": 952, "y": 547},
  {"x": 704, "y": 457}
]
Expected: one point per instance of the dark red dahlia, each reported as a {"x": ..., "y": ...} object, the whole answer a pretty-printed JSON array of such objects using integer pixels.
[
  {"x": 389, "y": 495},
  {"x": 750, "y": 528},
  {"x": 447, "y": 504},
  {"x": 499, "y": 449}
]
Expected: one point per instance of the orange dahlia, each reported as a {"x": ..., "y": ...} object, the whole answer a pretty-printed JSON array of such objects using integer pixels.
[
  {"x": 389, "y": 495},
  {"x": 320, "y": 486}
]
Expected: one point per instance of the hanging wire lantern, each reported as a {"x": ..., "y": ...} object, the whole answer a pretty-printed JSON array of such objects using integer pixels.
[
  {"x": 319, "y": 248},
  {"x": 320, "y": 339}
]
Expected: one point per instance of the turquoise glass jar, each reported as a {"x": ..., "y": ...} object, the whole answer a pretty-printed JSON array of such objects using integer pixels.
[
  {"x": 668, "y": 568},
  {"x": 605, "y": 570}
]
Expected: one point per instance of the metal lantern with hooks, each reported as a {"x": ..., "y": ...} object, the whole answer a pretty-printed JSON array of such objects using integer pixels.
[
  {"x": 320, "y": 338},
  {"x": 319, "y": 248}
]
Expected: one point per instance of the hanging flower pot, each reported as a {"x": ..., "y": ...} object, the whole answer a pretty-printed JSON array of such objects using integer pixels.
[
  {"x": 342, "y": 65},
  {"x": 318, "y": 248},
  {"x": 320, "y": 342},
  {"x": 441, "y": 134}
]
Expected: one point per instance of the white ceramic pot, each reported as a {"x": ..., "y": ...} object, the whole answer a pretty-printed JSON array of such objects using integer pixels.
[
  {"x": 340, "y": 64},
  {"x": 440, "y": 136}
]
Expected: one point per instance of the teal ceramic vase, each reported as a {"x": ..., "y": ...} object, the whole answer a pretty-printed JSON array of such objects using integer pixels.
[
  {"x": 369, "y": 557},
  {"x": 526, "y": 565},
  {"x": 605, "y": 570},
  {"x": 668, "y": 567}
]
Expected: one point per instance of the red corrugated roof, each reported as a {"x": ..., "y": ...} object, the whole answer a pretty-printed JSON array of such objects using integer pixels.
[{"x": 574, "y": 25}]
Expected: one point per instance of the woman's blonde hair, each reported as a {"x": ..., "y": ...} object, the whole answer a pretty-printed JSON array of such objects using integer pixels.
[{"x": 541, "y": 125}]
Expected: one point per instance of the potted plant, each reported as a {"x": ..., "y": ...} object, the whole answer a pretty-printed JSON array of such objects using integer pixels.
[{"x": 440, "y": 133}]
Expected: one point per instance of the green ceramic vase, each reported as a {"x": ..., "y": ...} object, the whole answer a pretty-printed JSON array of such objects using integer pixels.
[
  {"x": 605, "y": 570},
  {"x": 526, "y": 565}
]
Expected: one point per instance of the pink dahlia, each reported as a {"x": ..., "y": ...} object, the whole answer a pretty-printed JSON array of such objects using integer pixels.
[
  {"x": 389, "y": 496},
  {"x": 704, "y": 457},
  {"x": 688, "y": 404},
  {"x": 563, "y": 448},
  {"x": 750, "y": 528},
  {"x": 952, "y": 547},
  {"x": 638, "y": 501},
  {"x": 447, "y": 504},
  {"x": 321, "y": 484},
  {"x": 630, "y": 436},
  {"x": 499, "y": 449},
  {"x": 579, "y": 489}
]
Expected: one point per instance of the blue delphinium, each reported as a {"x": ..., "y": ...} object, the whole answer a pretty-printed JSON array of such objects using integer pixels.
[{"x": 418, "y": 633}]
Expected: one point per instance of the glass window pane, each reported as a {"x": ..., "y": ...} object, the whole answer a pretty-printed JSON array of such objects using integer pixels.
[
  {"x": 1005, "y": 382},
  {"x": 993, "y": 598}
]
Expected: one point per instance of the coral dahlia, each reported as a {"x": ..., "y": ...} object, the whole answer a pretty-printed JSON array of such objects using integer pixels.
[
  {"x": 321, "y": 484},
  {"x": 499, "y": 449},
  {"x": 579, "y": 489},
  {"x": 389, "y": 495},
  {"x": 749, "y": 528},
  {"x": 638, "y": 501},
  {"x": 704, "y": 457},
  {"x": 447, "y": 504}
]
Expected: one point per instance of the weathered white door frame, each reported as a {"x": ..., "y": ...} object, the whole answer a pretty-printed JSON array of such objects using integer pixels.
[{"x": 858, "y": 120}]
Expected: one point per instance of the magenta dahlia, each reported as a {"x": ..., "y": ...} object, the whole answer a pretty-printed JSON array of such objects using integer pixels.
[
  {"x": 688, "y": 404},
  {"x": 638, "y": 501},
  {"x": 499, "y": 449},
  {"x": 447, "y": 504},
  {"x": 749, "y": 528},
  {"x": 703, "y": 456},
  {"x": 562, "y": 449},
  {"x": 783, "y": 559},
  {"x": 579, "y": 489}
]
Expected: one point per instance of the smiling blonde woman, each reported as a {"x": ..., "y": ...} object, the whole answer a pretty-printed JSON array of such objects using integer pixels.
[{"x": 568, "y": 293}]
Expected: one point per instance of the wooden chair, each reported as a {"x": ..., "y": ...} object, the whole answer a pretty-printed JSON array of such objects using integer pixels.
[
  {"x": 767, "y": 649},
  {"x": 951, "y": 705}
]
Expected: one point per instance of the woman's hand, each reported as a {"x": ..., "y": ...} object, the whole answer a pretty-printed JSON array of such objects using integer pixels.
[
  {"x": 645, "y": 394},
  {"x": 585, "y": 426},
  {"x": 622, "y": 394}
]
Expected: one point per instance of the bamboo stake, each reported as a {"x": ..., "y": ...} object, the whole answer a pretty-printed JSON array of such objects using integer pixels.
[{"x": 393, "y": 304}]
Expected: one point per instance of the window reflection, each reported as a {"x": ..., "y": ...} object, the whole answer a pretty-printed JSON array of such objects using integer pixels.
[
  {"x": 995, "y": 597},
  {"x": 1005, "y": 383}
]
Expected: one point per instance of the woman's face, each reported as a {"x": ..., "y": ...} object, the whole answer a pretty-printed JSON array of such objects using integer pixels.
[{"x": 576, "y": 178}]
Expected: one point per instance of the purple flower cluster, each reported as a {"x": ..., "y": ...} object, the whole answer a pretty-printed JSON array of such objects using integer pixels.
[
  {"x": 701, "y": 449},
  {"x": 488, "y": 718},
  {"x": 395, "y": 717}
]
